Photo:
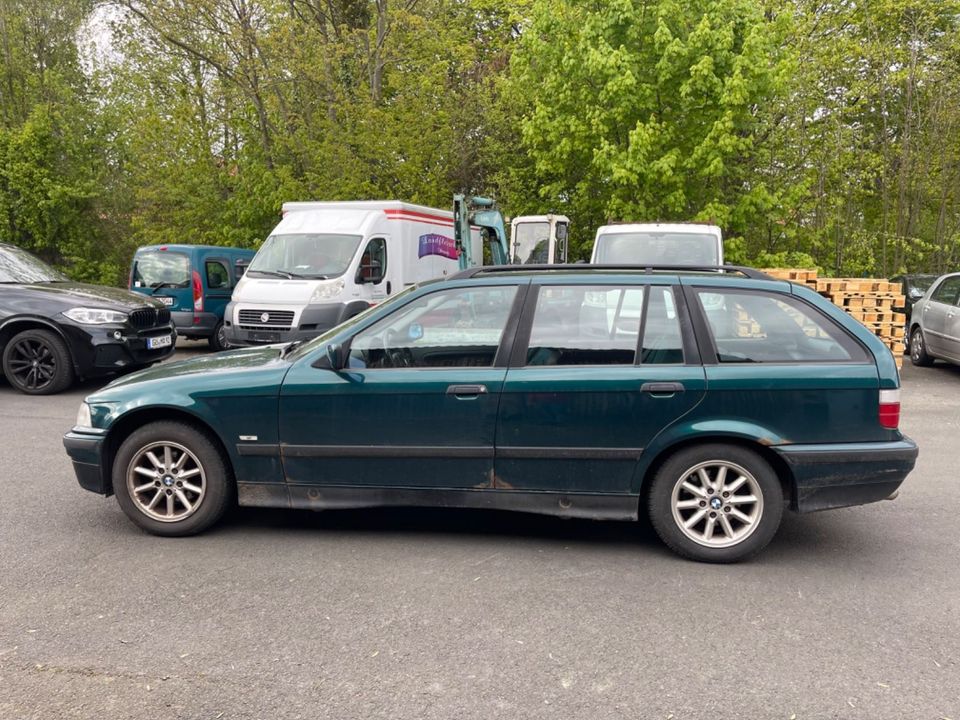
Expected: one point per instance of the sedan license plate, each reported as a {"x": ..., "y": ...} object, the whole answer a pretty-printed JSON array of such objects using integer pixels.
[
  {"x": 159, "y": 342},
  {"x": 168, "y": 301}
]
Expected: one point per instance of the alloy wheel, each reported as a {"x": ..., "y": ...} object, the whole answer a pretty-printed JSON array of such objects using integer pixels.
[
  {"x": 32, "y": 363},
  {"x": 916, "y": 346},
  {"x": 166, "y": 481},
  {"x": 717, "y": 503}
]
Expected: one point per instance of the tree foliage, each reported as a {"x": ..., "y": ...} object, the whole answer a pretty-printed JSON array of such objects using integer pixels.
[{"x": 811, "y": 131}]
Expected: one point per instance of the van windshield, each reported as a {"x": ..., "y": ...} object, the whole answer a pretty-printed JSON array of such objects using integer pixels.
[
  {"x": 657, "y": 248},
  {"x": 306, "y": 255},
  {"x": 161, "y": 269}
]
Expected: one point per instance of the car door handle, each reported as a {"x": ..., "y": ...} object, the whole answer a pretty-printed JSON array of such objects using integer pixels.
[
  {"x": 465, "y": 392},
  {"x": 662, "y": 389}
]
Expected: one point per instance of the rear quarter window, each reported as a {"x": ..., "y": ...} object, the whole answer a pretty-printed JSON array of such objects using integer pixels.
[{"x": 760, "y": 327}]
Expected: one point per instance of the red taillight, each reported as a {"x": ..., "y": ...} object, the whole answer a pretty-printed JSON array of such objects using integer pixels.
[
  {"x": 889, "y": 413},
  {"x": 197, "y": 293}
]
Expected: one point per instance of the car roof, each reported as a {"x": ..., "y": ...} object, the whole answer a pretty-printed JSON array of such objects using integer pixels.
[{"x": 181, "y": 247}]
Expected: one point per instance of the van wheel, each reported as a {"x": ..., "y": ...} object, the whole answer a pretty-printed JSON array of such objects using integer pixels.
[
  {"x": 218, "y": 341},
  {"x": 918, "y": 349},
  {"x": 171, "y": 479},
  {"x": 37, "y": 362},
  {"x": 716, "y": 503}
]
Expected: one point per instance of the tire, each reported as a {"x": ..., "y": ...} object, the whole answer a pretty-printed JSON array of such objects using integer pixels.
[
  {"x": 218, "y": 341},
  {"x": 918, "y": 349},
  {"x": 671, "y": 505},
  {"x": 203, "y": 481},
  {"x": 38, "y": 362}
]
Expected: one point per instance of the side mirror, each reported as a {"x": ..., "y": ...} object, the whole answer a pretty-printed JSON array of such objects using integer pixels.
[
  {"x": 240, "y": 267},
  {"x": 332, "y": 359}
]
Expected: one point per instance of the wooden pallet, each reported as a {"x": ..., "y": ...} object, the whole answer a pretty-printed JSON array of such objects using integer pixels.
[{"x": 868, "y": 300}]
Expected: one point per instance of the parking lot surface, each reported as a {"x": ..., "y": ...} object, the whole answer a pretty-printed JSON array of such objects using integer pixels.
[{"x": 851, "y": 613}]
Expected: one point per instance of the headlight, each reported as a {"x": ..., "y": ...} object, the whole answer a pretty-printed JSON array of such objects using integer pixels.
[
  {"x": 83, "y": 416},
  {"x": 327, "y": 290},
  {"x": 95, "y": 316}
]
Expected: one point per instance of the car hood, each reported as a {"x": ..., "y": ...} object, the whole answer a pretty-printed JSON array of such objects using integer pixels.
[{"x": 75, "y": 294}]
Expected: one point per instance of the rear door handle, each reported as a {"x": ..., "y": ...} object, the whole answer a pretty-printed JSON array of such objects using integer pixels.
[
  {"x": 465, "y": 392},
  {"x": 662, "y": 388}
]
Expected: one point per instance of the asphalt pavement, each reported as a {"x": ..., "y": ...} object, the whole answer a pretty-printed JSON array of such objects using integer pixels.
[{"x": 852, "y": 613}]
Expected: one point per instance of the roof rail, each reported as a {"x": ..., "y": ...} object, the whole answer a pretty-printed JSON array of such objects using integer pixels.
[{"x": 751, "y": 273}]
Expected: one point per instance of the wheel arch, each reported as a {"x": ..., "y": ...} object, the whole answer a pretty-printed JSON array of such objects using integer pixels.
[
  {"x": 128, "y": 423},
  {"x": 15, "y": 325},
  {"x": 776, "y": 462}
]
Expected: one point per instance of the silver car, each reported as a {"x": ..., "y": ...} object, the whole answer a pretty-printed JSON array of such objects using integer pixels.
[{"x": 935, "y": 323}]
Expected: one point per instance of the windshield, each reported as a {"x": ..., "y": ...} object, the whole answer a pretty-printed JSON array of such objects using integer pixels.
[
  {"x": 531, "y": 243},
  {"x": 322, "y": 339},
  {"x": 306, "y": 255},
  {"x": 161, "y": 269},
  {"x": 652, "y": 248},
  {"x": 19, "y": 266}
]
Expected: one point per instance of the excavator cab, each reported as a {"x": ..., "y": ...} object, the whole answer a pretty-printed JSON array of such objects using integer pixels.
[{"x": 539, "y": 239}]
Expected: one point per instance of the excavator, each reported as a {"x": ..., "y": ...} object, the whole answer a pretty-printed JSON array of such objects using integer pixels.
[{"x": 534, "y": 239}]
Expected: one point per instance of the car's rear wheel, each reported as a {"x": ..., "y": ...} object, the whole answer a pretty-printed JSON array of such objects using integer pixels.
[
  {"x": 37, "y": 362},
  {"x": 218, "y": 341},
  {"x": 716, "y": 503},
  {"x": 918, "y": 349},
  {"x": 171, "y": 479}
]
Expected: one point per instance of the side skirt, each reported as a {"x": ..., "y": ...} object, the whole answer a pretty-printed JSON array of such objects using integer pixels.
[{"x": 327, "y": 497}]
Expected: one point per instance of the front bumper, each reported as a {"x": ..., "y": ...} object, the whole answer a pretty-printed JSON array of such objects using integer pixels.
[
  {"x": 86, "y": 452},
  {"x": 841, "y": 475},
  {"x": 96, "y": 351},
  {"x": 314, "y": 320}
]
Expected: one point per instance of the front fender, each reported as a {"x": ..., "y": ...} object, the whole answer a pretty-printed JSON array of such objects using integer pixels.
[{"x": 701, "y": 431}]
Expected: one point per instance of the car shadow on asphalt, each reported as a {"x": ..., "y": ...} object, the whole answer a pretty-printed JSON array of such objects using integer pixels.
[{"x": 806, "y": 539}]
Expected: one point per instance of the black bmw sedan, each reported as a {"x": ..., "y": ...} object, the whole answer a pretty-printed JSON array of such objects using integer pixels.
[{"x": 54, "y": 330}]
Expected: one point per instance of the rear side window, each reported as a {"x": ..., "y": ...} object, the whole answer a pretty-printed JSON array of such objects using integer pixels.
[
  {"x": 662, "y": 338},
  {"x": 218, "y": 277},
  {"x": 948, "y": 292},
  {"x": 161, "y": 269},
  {"x": 757, "y": 327},
  {"x": 582, "y": 325}
]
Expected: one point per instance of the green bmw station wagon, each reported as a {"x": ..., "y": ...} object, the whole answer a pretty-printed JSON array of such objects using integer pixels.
[{"x": 708, "y": 400}]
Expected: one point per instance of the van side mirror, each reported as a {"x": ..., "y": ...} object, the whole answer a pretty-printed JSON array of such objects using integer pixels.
[{"x": 240, "y": 267}]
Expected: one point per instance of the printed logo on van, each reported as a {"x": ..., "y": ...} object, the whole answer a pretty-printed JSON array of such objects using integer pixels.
[{"x": 437, "y": 245}]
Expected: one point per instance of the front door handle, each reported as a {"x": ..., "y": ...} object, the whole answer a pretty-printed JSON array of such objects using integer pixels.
[
  {"x": 662, "y": 389},
  {"x": 465, "y": 392}
]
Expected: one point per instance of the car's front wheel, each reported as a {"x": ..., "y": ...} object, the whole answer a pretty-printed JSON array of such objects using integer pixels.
[
  {"x": 171, "y": 479},
  {"x": 37, "y": 362},
  {"x": 918, "y": 349},
  {"x": 716, "y": 503}
]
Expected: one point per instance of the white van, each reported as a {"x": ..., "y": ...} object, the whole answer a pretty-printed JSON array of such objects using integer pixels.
[
  {"x": 327, "y": 261},
  {"x": 687, "y": 244}
]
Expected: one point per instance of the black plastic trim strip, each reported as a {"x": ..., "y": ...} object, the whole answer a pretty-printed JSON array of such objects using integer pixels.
[
  {"x": 568, "y": 453},
  {"x": 261, "y": 450},
  {"x": 386, "y": 451}
]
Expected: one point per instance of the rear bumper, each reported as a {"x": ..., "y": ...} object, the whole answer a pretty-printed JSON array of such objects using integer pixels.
[
  {"x": 840, "y": 475},
  {"x": 193, "y": 325},
  {"x": 86, "y": 452}
]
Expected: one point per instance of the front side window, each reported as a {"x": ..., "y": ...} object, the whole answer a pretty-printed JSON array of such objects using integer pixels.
[
  {"x": 756, "y": 327},
  {"x": 948, "y": 292},
  {"x": 161, "y": 270},
  {"x": 585, "y": 325},
  {"x": 373, "y": 261},
  {"x": 218, "y": 277},
  {"x": 305, "y": 255},
  {"x": 450, "y": 328}
]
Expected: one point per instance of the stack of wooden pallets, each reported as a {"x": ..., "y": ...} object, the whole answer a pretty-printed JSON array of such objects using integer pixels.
[{"x": 870, "y": 301}]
